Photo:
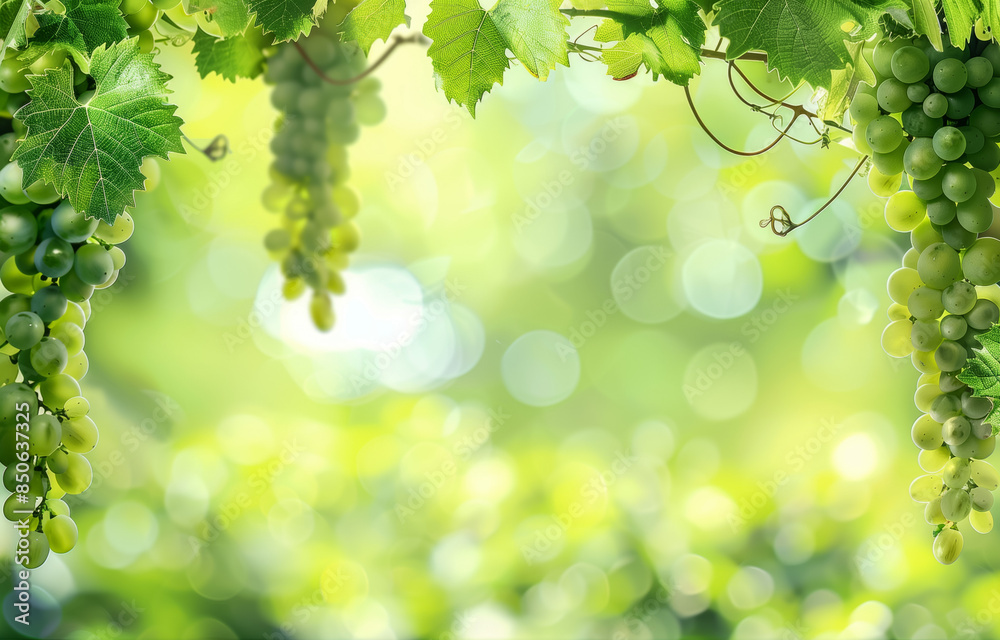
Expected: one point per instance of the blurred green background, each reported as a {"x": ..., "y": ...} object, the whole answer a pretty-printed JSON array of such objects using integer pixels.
[{"x": 574, "y": 391}]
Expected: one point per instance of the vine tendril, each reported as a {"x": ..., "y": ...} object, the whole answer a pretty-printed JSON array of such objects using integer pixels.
[{"x": 787, "y": 226}]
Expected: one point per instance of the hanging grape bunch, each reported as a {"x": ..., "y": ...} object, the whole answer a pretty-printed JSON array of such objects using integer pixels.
[
  {"x": 936, "y": 116},
  {"x": 321, "y": 112}
]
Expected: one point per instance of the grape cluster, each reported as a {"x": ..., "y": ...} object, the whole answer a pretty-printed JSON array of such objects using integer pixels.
[
  {"x": 52, "y": 259},
  {"x": 935, "y": 116},
  {"x": 319, "y": 119}
]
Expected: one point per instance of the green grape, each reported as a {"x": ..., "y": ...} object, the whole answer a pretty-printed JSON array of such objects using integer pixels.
[
  {"x": 985, "y": 475},
  {"x": 956, "y": 473},
  {"x": 927, "y": 190},
  {"x": 78, "y": 366},
  {"x": 987, "y": 159},
  {"x": 41, "y": 192},
  {"x": 944, "y": 407},
  {"x": 948, "y": 543},
  {"x": 956, "y": 430},
  {"x": 975, "y": 214},
  {"x": 918, "y": 124},
  {"x": 72, "y": 226},
  {"x": 78, "y": 474},
  {"x": 903, "y": 282},
  {"x": 78, "y": 406},
  {"x": 12, "y": 506},
  {"x": 950, "y": 356},
  {"x": 980, "y": 72},
  {"x": 926, "y": 393},
  {"x": 941, "y": 210},
  {"x": 80, "y": 435},
  {"x": 904, "y": 211},
  {"x": 142, "y": 19},
  {"x": 939, "y": 266},
  {"x": 981, "y": 263},
  {"x": 987, "y": 120},
  {"x": 12, "y": 278},
  {"x": 74, "y": 314},
  {"x": 895, "y": 312},
  {"x": 956, "y": 504},
  {"x": 933, "y": 460},
  {"x": 24, "y": 330},
  {"x": 990, "y": 93},
  {"x": 975, "y": 407},
  {"x": 932, "y": 512},
  {"x": 960, "y": 104},
  {"x": 38, "y": 551},
  {"x": 982, "y": 499},
  {"x": 891, "y": 95},
  {"x": 94, "y": 265},
  {"x": 958, "y": 182},
  {"x": 918, "y": 92},
  {"x": 883, "y": 134},
  {"x": 935, "y": 105},
  {"x": 117, "y": 257},
  {"x": 920, "y": 160},
  {"x": 74, "y": 289},
  {"x": 44, "y": 434},
  {"x": 49, "y": 303},
  {"x": 117, "y": 233},
  {"x": 896, "y": 339},
  {"x": 62, "y": 533},
  {"x": 58, "y": 462},
  {"x": 956, "y": 236},
  {"x": 959, "y": 298},
  {"x": 57, "y": 507},
  {"x": 949, "y": 382},
  {"x": 974, "y": 139},
  {"x": 18, "y": 230},
  {"x": 910, "y": 64},
  {"x": 980, "y": 430},
  {"x": 953, "y": 327},
  {"x": 926, "y": 433},
  {"x": 49, "y": 357},
  {"x": 881, "y": 185},
  {"x": 923, "y": 361},
  {"x": 925, "y": 335},
  {"x": 925, "y": 304},
  {"x": 984, "y": 315},
  {"x": 986, "y": 186},
  {"x": 949, "y": 143},
  {"x": 864, "y": 109},
  {"x": 982, "y": 521},
  {"x": 58, "y": 389},
  {"x": 54, "y": 257},
  {"x": 950, "y": 75},
  {"x": 128, "y": 7},
  {"x": 884, "y": 51},
  {"x": 10, "y": 182},
  {"x": 926, "y": 488},
  {"x": 25, "y": 261},
  {"x": 71, "y": 335}
]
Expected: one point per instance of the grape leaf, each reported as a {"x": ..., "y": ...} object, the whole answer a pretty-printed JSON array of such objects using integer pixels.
[
  {"x": 232, "y": 58},
  {"x": 287, "y": 19},
  {"x": 982, "y": 374},
  {"x": 84, "y": 26},
  {"x": 232, "y": 16},
  {"x": 13, "y": 14},
  {"x": 803, "y": 39},
  {"x": 667, "y": 38},
  {"x": 926, "y": 23},
  {"x": 845, "y": 83},
  {"x": 991, "y": 17},
  {"x": 469, "y": 48},
  {"x": 92, "y": 152},
  {"x": 961, "y": 16},
  {"x": 373, "y": 20}
]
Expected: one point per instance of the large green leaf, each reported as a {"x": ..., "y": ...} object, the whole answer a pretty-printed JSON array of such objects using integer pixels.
[
  {"x": 232, "y": 58},
  {"x": 961, "y": 16},
  {"x": 803, "y": 39},
  {"x": 287, "y": 19},
  {"x": 232, "y": 16},
  {"x": 991, "y": 17},
  {"x": 84, "y": 26},
  {"x": 666, "y": 38},
  {"x": 845, "y": 83},
  {"x": 13, "y": 14},
  {"x": 469, "y": 48},
  {"x": 373, "y": 20},
  {"x": 92, "y": 151},
  {"x": 925, "y": 22},
  {"x": 982, "y": 373}
]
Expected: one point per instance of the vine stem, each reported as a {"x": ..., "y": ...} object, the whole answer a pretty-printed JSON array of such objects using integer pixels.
[
  {"x": 396, "y": 41},
  {"x": 716, "y": 140},
  {"x": 787, "y": 226}
]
